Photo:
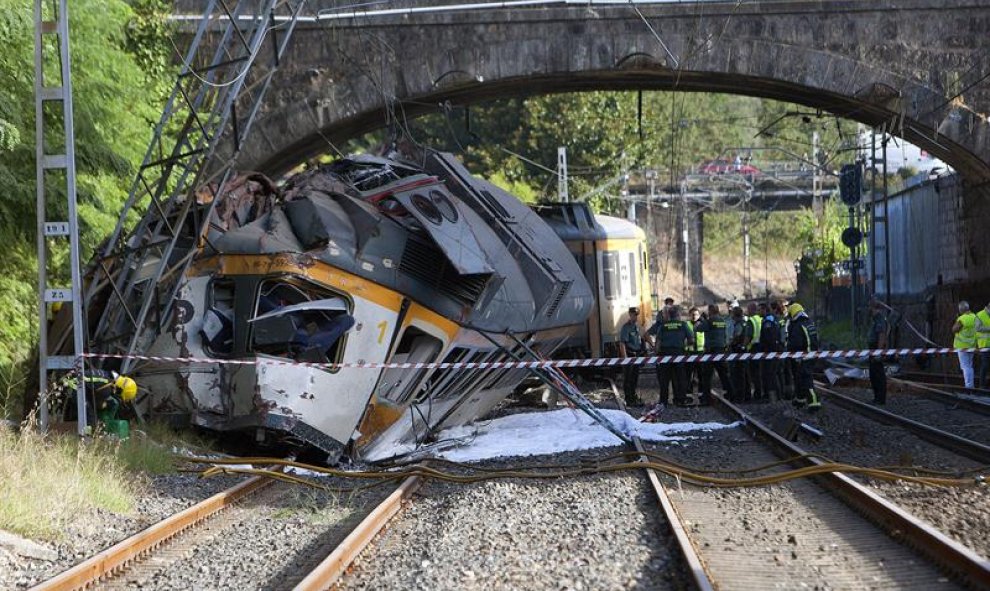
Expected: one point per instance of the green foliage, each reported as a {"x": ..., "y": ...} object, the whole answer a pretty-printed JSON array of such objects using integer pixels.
[
  {"x": 838, "y": 335},
  {"x": 520, "y": 189},
  {"x": 906, "y": 172},
  {"x": 118, "y": 60}
]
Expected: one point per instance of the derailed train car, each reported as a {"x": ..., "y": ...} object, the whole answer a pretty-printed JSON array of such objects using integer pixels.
[{"x": 366, "y": 260}]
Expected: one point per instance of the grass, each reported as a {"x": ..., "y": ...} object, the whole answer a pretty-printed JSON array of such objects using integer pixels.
[{"x": 48, "y": 482}]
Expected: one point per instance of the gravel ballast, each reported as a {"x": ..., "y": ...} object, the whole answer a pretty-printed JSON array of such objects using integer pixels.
[
  {"x": 268, "y": 541},
  {"x": 591, "y": 532},
  {"x": 962, "y": 513}
]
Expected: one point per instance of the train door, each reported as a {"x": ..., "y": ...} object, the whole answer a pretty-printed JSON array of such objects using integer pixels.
[
  {"x": 590, "y": 253},
  {"x": 415, "y": 345},
  {"x": 609, "y": 295}
]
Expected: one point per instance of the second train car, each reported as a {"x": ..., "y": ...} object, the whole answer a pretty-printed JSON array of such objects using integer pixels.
[{"x": 613, "y": 256}]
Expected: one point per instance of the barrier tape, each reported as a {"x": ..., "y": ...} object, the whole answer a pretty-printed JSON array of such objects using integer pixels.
[{"x": 601, "y": 362}]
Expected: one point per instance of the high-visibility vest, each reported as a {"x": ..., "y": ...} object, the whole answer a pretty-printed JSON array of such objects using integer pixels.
[
  {"x": 757, "y": 321},
  {"x": 983, "y": 338},
  {"x": 699, "y": 341},
  {"x": 966, "y": 338}
]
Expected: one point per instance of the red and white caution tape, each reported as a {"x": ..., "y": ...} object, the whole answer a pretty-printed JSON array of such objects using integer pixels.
[{"x": 602, "y": 362}]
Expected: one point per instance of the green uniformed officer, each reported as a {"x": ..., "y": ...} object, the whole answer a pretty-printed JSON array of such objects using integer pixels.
[
  {"x": 877, "y": 339},
  {"x": 673, "y": 336},
  {"x": 631, "y": 345},
  {"x": 751, "y": 338},
  {"x": 715, "y": 329}
]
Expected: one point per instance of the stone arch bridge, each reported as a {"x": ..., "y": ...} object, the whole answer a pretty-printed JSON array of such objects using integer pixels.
[{"x": 919, "y": 68}]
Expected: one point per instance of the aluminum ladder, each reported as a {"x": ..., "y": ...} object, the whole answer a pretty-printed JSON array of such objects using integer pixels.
[{"x": 213, "y": 104}]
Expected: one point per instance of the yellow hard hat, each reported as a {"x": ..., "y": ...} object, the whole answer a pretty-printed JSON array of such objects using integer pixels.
[
  {"x": 127, "y": 387},
  {"x": 794, "y": 309}
]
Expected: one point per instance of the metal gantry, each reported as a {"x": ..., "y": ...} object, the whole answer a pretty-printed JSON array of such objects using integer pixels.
[
  {"x": 191, "y": 157},
  {"x": 56, "y": 177}
]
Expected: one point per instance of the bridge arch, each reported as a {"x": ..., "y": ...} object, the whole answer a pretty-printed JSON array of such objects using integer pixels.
[{"x": 897, "y": 65}]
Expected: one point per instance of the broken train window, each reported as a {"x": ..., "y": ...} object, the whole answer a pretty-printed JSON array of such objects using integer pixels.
[
  {"x": 218, "y": 321},
  {"x": 300, "y": 321}
]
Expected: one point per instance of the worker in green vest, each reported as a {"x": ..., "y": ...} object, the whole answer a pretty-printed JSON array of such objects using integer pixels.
[
  {"x": 751, "y": 338},
  {"x": 694, "y": 369},
  {"x": 714, "y": 333},
  {"x": 965, "y": 331},
  {"x": 983, "y": 342}
]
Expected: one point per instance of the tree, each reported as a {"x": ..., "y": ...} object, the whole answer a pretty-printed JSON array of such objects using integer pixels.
[{"x": 116, "y": 94}]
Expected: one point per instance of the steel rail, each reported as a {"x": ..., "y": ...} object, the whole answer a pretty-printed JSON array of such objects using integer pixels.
[
  {"x": 932, "y": 392},
  {"x": 956, "y": 558},
  {"x": 939, "y": 395},
  {"x": 699, "y": 575},
  {"x": 110, "y": 561},
  {"x": 337, "y": 562},
  {"x": 950, "y": 441},
  {"x": 953, "y": 381}
]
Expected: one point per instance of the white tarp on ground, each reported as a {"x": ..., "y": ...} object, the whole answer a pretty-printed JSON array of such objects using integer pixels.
[{"x": 540, "y": 433}]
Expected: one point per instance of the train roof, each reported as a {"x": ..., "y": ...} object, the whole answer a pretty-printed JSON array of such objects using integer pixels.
[
  {"x": 620, "y": 228},
  {"x": 450, "y": 241},
  {"x": 575, "y": 221}
]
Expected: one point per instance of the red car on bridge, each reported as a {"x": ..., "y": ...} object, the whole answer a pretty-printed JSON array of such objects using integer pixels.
[{"x": 727, "y": 167}]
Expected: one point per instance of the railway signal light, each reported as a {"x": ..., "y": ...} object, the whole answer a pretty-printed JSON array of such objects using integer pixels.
[{"x": 851, "y": 184}]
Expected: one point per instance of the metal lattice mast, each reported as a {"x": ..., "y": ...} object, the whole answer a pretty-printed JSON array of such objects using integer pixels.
[
  {"x": 214, "y": 102},
  {"x": 56, "y": 169}
]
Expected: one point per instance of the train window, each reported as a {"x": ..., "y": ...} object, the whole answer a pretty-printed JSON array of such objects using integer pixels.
[
  {"x": 415, "y": 346},
  {"x": 610, "y": 274},
  {"x": 299, "y": 322},
  {"x": 218, "y": 321},
  {"x": 632, "y": 275}
]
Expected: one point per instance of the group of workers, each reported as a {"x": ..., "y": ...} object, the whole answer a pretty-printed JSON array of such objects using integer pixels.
[
  {"x": 972, "y": 331},
  {"x": 762, "y": 328}
]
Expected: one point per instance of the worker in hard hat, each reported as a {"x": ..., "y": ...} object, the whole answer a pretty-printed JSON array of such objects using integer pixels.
[
  {"x": 802, "y": 337},
  {"x": 108, "y": 390}
]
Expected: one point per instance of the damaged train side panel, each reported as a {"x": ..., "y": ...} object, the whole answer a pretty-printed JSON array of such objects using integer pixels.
[{"x": 363, "y": 260}]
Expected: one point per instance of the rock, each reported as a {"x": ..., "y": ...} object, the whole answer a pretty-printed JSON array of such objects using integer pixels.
[{"x": 26, "y": 548}]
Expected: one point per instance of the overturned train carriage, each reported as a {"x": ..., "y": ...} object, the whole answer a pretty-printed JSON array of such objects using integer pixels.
[{"x": 364, "y": 260}]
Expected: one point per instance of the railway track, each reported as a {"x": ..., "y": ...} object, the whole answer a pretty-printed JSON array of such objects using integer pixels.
[
  {"x": 184, "y": 550},
  {"x": 780, "y": 536},
  {"x": 943, "y": 421},
  {"x": 594, "y": 531},
  {"x": 951, "y": 382},
  {"x": 869, "y": 541},
  {"x": 972, "y": 399},
  {"x": 699, "y": 577},
  {"x": 800, "y": 534}
]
